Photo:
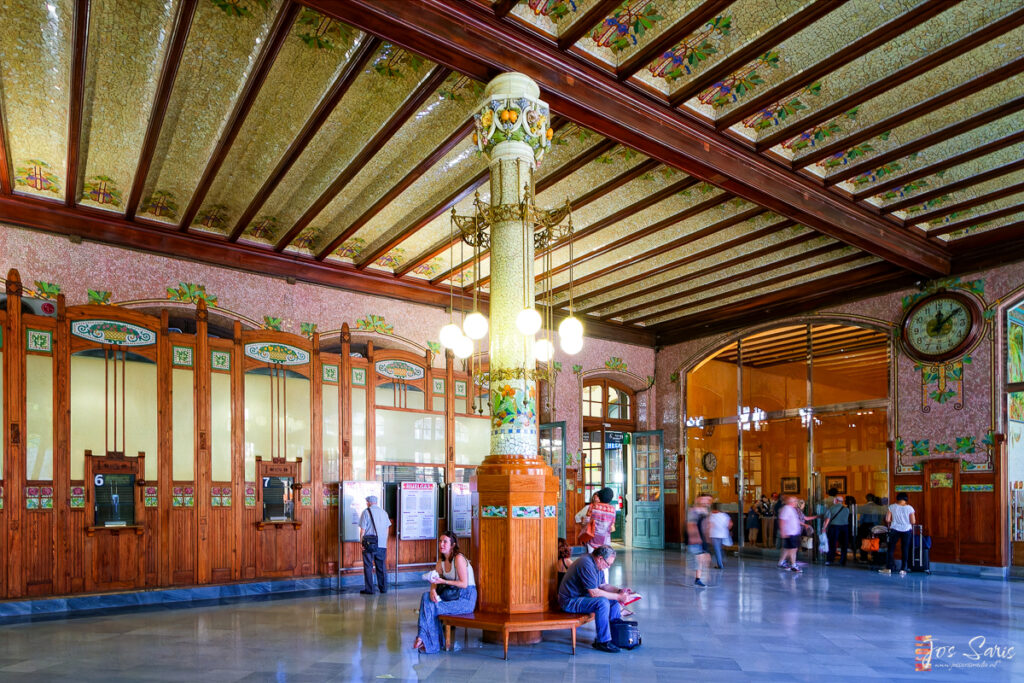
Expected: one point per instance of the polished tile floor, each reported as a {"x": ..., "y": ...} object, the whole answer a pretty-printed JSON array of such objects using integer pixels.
[{"x": 754, "y": 624}]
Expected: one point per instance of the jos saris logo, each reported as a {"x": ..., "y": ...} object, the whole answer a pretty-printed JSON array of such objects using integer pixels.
[{"x": 977, "y": 653}]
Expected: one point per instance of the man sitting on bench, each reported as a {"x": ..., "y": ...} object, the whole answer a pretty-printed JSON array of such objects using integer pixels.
[{"x": 583, "y": 591}]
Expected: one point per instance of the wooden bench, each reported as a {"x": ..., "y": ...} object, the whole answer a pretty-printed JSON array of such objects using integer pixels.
[{"x": 514, "y": 623}]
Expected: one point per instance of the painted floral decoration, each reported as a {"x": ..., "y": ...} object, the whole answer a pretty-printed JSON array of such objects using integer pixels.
[
  {"x": 239, "y": 8},
  {"x": 615, "y": 363},
  {"x": 44, "y": 290},
  {"x": 687, "y": 56},
  {"x": 191, "y": 293},
  {"x": 522, "y": 119},
  {"x": 630, "y": 22},
  {"x": 270, "y": 323},
  {"x": 102, "y": 190},
  {"x": 375, "y": 323},
  {"x": 99, "y": 297},
  {"x": 434, "y": 347},
  {"x": 307, "y": 329},
  {"x": 322, "y": 33},
  {"x": 161, "y": 204}
]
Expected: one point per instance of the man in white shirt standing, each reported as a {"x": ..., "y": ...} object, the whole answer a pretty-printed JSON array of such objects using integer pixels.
[
  {"x": 373, "y": 535},
  {"x": 901, "y": 519}
]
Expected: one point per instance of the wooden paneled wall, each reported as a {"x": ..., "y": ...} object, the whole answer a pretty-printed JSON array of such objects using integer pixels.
[{"x": 48, "y": 549}]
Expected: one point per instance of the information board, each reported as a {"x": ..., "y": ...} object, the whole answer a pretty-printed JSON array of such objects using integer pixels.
[
  {"x": 461, "y": 513},
  {"x": 354, "y": 502},
  {"x": 417, "y": 507}
]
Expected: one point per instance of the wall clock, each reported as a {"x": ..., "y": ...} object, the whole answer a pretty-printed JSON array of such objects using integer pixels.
[
  {"x": 941, "y": 326},
  {"x": 709, "y": 461}
]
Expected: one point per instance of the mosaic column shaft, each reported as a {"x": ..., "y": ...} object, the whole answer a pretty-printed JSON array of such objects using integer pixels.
[{"x": 514, "y": 493}]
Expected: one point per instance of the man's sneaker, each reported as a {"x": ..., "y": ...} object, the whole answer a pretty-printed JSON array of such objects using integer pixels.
[
  {"x": 607, "y": 646},
  {"x": 885, "y": 571},
  {"x": 783, "y": 565},
  {"x": 698, "y": 582}
]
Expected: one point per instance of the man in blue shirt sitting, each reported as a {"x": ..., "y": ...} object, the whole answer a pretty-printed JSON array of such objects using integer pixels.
[{"x": 583, "y": 590}]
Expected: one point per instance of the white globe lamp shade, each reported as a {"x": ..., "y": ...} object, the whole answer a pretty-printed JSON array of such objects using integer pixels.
[
  {"x": 463, "y": 347},
  {"x": 450, "y": 335},
  {"x": 571, "y": 345},
  {"x": 475, "y": 325},
  {"x": 543, "y": 350},
  {"x": 528, "y": 321},
  {"x": 570, "y": 328}
]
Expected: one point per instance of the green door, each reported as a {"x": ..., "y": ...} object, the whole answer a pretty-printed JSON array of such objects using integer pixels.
[
  {"x": 552, "y": 449},
  {"x": 647, "y": 504}
]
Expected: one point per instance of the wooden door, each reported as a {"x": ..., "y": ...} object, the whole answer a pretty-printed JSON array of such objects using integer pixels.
[
  {"x": 648, "y": 500},
  {"x": 941, "y": 508}
]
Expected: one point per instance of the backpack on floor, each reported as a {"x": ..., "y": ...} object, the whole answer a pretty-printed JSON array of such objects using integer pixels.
[{"x": 626, "y": 634}]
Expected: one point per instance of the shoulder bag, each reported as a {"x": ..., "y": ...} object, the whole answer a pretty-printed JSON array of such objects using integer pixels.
[{"x": 370, "y": 540}]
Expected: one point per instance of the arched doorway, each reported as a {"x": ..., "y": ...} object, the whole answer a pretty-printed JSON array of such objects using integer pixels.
[{"x": 798, "y": 410}]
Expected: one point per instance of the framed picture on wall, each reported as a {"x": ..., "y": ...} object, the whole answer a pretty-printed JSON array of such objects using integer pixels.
[
  {"x": 790, "y": 485},
  {"x": 837, "y": 482}
]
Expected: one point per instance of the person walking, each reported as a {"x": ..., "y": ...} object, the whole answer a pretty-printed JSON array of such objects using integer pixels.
[
  {"x": 901, "y": 519},
  {"x": 375, "y": 545},
  {"x": 719, "y": 525},
  {"x": 753, "y": 524},
  {"x": 789, "y": 530},
  {"x": 767, "y": 521},
  {"x": 837, "y": 528},
  {"x": 696, "y": 533}
]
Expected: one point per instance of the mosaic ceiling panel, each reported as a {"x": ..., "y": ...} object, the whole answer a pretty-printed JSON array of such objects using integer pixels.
[{"x": 654, "y": 243}]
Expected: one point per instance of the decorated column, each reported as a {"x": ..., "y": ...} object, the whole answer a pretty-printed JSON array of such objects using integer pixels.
[{"x": 514, "y": 492}]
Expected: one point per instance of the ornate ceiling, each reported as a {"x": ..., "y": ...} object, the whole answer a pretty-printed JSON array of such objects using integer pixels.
[{"x": 724, "y": 160}]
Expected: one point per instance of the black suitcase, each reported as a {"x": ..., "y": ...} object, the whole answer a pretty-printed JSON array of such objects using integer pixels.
[
  {"x": 919, "y": 550},
  {"x": 626, "y": 634}
]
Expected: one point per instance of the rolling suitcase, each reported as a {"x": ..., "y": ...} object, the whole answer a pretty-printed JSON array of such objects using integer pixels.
[{"x": 920, "y": 545}]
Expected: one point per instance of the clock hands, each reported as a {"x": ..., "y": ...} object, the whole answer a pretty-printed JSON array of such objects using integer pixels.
[{"x": 940, "y": 321}]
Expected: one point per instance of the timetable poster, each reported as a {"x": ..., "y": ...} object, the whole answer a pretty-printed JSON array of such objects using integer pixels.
[
  {"x": 418, "y": 505},
  {"x": 354, "y": 502},
  {"x": 462, "y": 509}
]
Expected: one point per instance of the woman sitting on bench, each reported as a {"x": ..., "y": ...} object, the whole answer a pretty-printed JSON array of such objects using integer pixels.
[{"x": 453, "y": 591}]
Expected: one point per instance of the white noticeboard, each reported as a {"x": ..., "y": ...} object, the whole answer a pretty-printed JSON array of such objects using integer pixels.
[
  {"x": 354, "y": 503},
  {"x": 417, "y": 507},
  {"x": 461, "y": 501}
]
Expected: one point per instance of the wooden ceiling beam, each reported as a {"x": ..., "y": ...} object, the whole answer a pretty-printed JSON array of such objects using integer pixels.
[
  {"x": 858, "y": 48},
  {"x": 590, "y": 18},
  {"x": 701, "y": 15},
  {"x": 6, "y": 174},
  {"x": 948, "y": 209},
  {"x": 79, "y": 47},
  {"x": 760, "y": 270},
  {"x": 925, "y": 141},
  {"x": 744, "y": 55},
  {"x": 974, "y": 220},
  {"x": 991, "y": 248},
  {"x": 105, "y": 227},
  {"x": 279, "y": 33},
  {"x": 393, "y": 124},
  {"x": 331, "y": 99},
  {"x": 581, "y": 201},
  {"x": 897, "y": 78},
  {"x": 164, "y": 87},
  {"x": 928, "y": 106},
  {"x": 503, "y": 7},
  {"x": 953, "y": 187},
  {"x": 464, "y": 35},
  {"x": 671, "y": 246},
  {"x": 686, "y": 260},
  {"x": 863, "y": 282},
  {"x": 931, "y": 169}
]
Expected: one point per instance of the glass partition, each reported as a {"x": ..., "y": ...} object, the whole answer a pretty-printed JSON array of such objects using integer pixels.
[
  {"x": 713, "y": 461},
  {"x": 472, "y": 440},
  {"x": 400, "y": 395},
  {"x": 183, "y": 425},
  {"x": 774, "y": 370},
  {"x": 115, "y": 500},
  {"x": 358, "y": 434},
  {"x": 711, "y": 387},
  {"x": 849, "y": 364},
  {"x": 850, "y": 452},
  {"x": 331, "y": 432},
  {"x": 39, "y": 417},
  {"x": 277, "y": 417},
  {"x": 220, "y": 427},
  {"x": 409, "y": 437},
  {"x": 278, "y": 499}
]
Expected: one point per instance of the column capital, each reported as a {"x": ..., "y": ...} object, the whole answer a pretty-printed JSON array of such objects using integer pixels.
[{"x": 512, "y": 122}]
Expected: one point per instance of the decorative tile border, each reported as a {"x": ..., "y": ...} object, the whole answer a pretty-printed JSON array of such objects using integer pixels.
[
  {"x": 273, "y": 352},
  {"x": 40, "y": 341},
  {"x": 181, "y": 356},
  {"x": 550, "y": 511},
  {"x": 359, "y": 377},
  {"x": 250, "y": 494},
  {"x": 438, "y": 385},
  {"x": 306, "y": 496},
  {"x": 460, "y": 389},
  {"x": 38, "y": 497},
  {"x": 329, "y": 495},
  {"x": 113, "y": 332},
  {"x": 495, "y": 511},
  {"x": 221, "y": 496},
  {"x": 183, "y": 496},
  {"x": 976, "y": 488},
  {"x": 1, "y": 497},
  {"x": 909, "y": 488},
  {"x": 77, "y": 497},
  {"x": 399, "y": 369},
  {"x": 149, "y": 497},
  {"x": 526, "y": 511},
  {"x": 220, "y": 360},
  {"x": 329, "y": 373}
]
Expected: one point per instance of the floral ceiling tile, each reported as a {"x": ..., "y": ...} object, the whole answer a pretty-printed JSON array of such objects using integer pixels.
[
  {"x": 301, "y": 75},
  {"x": 737, "y": 86},
  {"x": 991, "y": 132},
  {"x": 983, "y": 226},
  {"x": 127, "y": 43},
  {"x": 35, "y": 69},
  {"x": 869, "y": 72},
  {"x": 438, "y": 118},
  {"x": 964, "y": 217},
  {"x": 691, "y": 53},
  {"x": 552, "y": 17},
  {"x": 815, "y": 44},
  {"x": 948, "y": 176},
  {"x": 221, "y": 51},
  {"x": 972, "y": 192},
  {"x": 367, "y": 106}
]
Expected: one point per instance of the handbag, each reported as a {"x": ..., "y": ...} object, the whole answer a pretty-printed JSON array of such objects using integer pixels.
[
  {"x": 823, "y": 542},
  {"x": 869, "y": 545},
  {"x": 807, "y": 542},
  {"x": 370, "y": 540},
  {"x": 626, "y": 634},
  {"x": 448, "y": 593}
]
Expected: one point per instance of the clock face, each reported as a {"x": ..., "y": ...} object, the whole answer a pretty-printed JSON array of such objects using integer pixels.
[
  {"x": 939, "y": 327},
  {"x": 710, "y": 462}
]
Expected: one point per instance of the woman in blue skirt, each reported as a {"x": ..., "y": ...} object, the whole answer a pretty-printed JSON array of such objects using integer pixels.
[{"x": 453, "y": 570}]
